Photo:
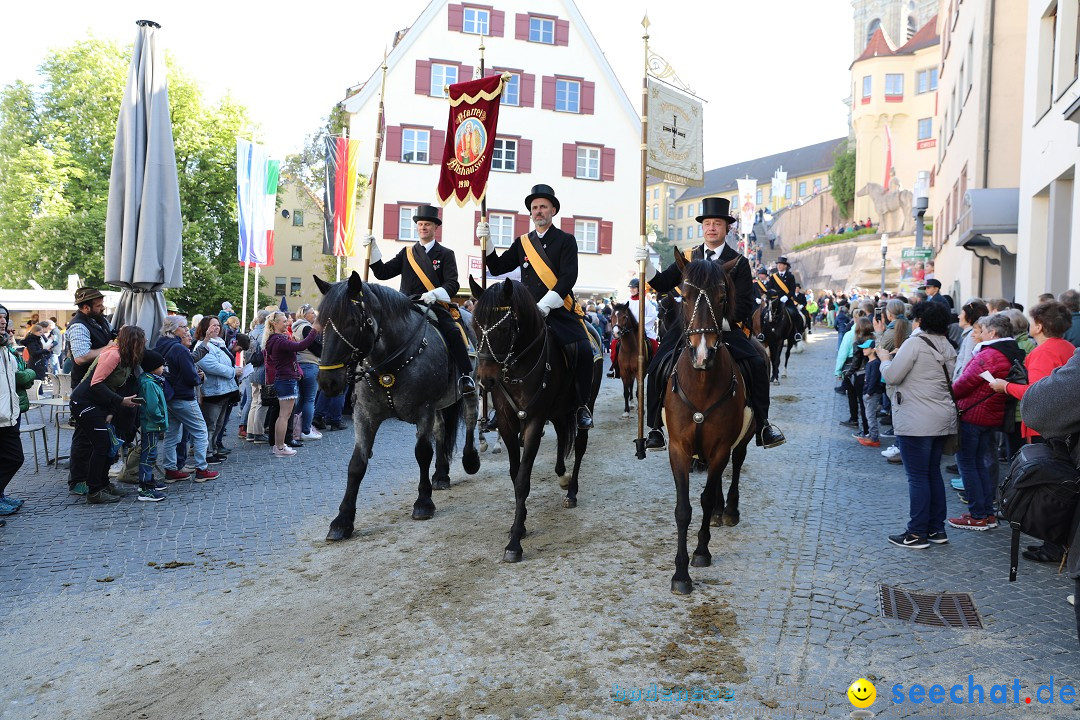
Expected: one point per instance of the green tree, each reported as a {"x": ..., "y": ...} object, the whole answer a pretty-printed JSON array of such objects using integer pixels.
[
  {"x": 842, "y": 179},
  {"x": 56, "y": 148}
]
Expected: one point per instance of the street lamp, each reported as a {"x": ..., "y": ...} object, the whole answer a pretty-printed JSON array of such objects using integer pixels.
[
  {"x": 884, "y": 252},
  {"x": 922, "y": 202}
]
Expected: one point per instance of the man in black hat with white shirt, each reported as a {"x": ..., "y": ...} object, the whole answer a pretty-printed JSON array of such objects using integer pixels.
[
  {"x": 783, "y": 281},
  {"x": 429, "y": 269},
  {"x": 715, "y": 221},
  {"x": 548, "y": 258}
]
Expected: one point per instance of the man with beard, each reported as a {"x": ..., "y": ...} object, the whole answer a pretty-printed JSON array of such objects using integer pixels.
[{"x": 87, "y": 334}]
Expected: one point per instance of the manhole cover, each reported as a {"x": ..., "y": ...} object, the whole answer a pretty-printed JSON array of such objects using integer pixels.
[{"x": 950, "y": 610}]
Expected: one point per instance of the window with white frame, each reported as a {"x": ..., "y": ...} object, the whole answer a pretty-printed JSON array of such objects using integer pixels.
[
  {"x": 894, "y": 84},
  {"x": 817, "y": 185},
  {"x": 787, "y": 191},
  {"x": 867, "y": 83},
  {"x": 802, "y": 189},
  {"x": 757, "y": 198},
  {"x": 406, "y": 226},
  {"x": 476, "y": 21},
  {"x": 279, "y": 286},
  {"x": 542, "y": 30},
  {"x": 655, "y": 212},
  {"x": 670, "y": 231},
  {"x": 656, "y": 194},
  {"x": 933, "y": 78},
  {"x": 926, "y": 126},
  {"x": 442, "y": 75},
  {"x": 679, "y": 212},
  {"x": 568, "y": 96},
  {"x": 588, "y": 163},
  {"x": 414, "y": 145},
  {"x": 511, "y": 94},
  {"x": 678, "y": 234},
  {"x": 502, "y": 229},
  {"x": 504, "y": 155},
  {"x": 587, "y": 233},
  {"x": 926, "y": 81}
]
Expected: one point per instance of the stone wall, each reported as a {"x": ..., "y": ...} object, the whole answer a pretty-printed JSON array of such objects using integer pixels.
[
  {"x": 843, "y": 265},
  {"x": 804, "y": 222}
]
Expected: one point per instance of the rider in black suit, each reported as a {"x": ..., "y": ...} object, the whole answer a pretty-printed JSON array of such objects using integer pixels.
[
  {"x": 440, "y": 268},
  {"x": 560, "y": 251},
  {"x": 715, "y": 221},
  {"x": 783, "y": 281}
]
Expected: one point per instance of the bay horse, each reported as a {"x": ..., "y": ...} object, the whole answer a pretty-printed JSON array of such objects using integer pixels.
[
  {"x": 520, "y": 361},
  {"x": 625, "y": 327},
  {"x": 705, "y": 408},
  {"x": 402, "y": 369},
  {"x": 778, "y": 334}
]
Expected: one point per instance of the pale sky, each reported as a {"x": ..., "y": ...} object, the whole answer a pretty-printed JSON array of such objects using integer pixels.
[{"x": 774, "y": 72}]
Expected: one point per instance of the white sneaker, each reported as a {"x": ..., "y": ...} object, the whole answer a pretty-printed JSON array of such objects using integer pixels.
[
  {"x": 1071, "y": 599},
  {"x": 284, "y": 452},
  {"x": 890, "y": 452},
  {"x": 313, "y": 435}
]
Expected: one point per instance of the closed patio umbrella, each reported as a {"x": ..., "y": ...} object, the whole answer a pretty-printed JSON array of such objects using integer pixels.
[{"x": 143, "y": 222}]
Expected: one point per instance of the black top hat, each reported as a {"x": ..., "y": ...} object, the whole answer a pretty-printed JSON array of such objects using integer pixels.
[
  {"x": 782, "y": 259},
  {"x": 427, "y": 212},
  {"x": 87, "y": 294},
  {"x": 542, "y": 191},
  {"x": 715, "y": 207}
]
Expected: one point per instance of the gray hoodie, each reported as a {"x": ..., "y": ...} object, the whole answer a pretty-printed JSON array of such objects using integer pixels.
[{"x": 922, "y": 405}]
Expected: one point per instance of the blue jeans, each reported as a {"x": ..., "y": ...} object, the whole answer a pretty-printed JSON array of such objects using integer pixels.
[
  {"x": 185, "y": 414},
  {"x": 926, "y": 488},
  {"x": 974, "y": 461},
  {"x": 329, "y": 408},
  {"x": 148, "y": 452},
  {"x": 309, "y": 386},
  {"x": 245, "y": 400}
]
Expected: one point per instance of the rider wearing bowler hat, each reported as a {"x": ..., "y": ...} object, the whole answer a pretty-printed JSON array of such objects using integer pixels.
[
  {"x": 715, "y": 221},
  {"x": 549, "y": 271}
]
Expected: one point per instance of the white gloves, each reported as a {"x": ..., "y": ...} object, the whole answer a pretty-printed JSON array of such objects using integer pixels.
[
  {"x": 483, "y": 230},
  {"x": 428, "y": 298},
  {"x": 549, "y": 302},
  {"x": 369, "y": 242},
  {"x": 437, "y": 295},
  {"x": 642, "y": 253},
  {"x": 783, "y": 299}
]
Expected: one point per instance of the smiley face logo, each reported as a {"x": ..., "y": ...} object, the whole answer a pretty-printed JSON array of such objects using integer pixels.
[{"x": 862, "y": 693}]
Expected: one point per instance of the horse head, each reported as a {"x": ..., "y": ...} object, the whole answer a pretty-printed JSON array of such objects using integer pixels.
[
  {"x": 504, "y": 313},
  {"x": 705, "y": 292},
  {"x": 623, "y": 321},
  {"x": 349, "y": 330}
]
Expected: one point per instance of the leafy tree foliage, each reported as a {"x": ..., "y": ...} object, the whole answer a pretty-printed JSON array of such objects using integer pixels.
[{"x": 842, "y": 178}]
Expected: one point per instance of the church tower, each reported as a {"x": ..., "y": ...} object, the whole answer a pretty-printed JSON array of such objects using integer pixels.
[{"x": 900, "y": 19}]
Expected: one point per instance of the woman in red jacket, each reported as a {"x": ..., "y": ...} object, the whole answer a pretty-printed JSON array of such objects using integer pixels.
[
  {"x": 982, "y": 413},
  {"x": 283, "y": 371}
]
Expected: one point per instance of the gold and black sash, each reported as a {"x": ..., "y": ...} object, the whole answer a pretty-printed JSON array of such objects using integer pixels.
[
  {"x": 541, "y": 263},
  {"x": 421, "y": 265},
  {"x": 776, "y": 277}
]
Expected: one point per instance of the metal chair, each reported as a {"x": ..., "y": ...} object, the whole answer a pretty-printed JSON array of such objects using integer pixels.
[{"x": 37, "y": 428}]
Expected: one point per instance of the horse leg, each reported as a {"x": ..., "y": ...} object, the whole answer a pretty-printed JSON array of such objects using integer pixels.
[
  {"x": 775, "y": 357},
  {"x": 424, "y": 508},
  {"x": 680, "y": 470},
  {"x": 441, "y": 479},
  {"x": 731, "y": 508},
  {"x": 512, "y": 552},
  {"x": 470, "y": 458},
  {"x": 341, "y": 527},
  {"x": 581, "y": 443},
  {"x": 627, "y": 394},
  {"x": 787, "y": 354},
  {"x": 563, "y": 432},
  {"x": 712, "y": 500}
]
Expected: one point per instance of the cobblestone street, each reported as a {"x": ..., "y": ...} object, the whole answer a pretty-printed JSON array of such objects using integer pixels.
[{"x": 801, "y": 574}]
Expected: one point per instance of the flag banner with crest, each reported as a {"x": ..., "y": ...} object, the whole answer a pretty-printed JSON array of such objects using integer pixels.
[
  {"x": 470, "y": 136},
  {"x": 339, "y": 196},
  {"x": 675, "y": 136},
  {"x": 747, "y": 204},
  {"x": 256, "y": 197}
]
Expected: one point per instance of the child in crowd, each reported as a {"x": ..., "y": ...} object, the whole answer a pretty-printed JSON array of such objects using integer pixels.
[
  {"x": 153, "y": 421},
  {"x": 872, "y": 391}
]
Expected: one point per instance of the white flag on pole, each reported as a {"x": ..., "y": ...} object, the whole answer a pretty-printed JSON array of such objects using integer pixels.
[
  {"x": 675, "y": 137},
  {"x": 747, "y": 204}
]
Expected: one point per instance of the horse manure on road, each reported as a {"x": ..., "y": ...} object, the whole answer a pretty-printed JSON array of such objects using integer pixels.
[{"x": 706, "y": 647}]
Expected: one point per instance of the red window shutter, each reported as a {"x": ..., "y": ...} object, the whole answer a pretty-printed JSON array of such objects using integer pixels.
[
  {"x": 588, "y": 97},
  {"x": 607, "y": 164},
  {"x": 521, "y": 27},
  {"x": 498, "y": 23},
  {"x": 455, "y": 15},
  {"x": 526, "y": 89},
  {"x": 390, "y": 221},
  {"x": 604, "y": 246},
  {"x": 423, "y": 77},
  {"x": 475, "y": 220},
  {"x": 567, "y": 225},
  {"x": 522, "y": 224},
  {"x": 464, "y": 73},
  {"x": 547, "y": 93},
  {"x": 438, "y": 145},
  {"x": 438, "y": 233},
  {"x": 569, "y": 160},
  {"x": 562, "y": 32},
  {"x": 524, "y": 156},
  {"x": 393, "y": 143}
]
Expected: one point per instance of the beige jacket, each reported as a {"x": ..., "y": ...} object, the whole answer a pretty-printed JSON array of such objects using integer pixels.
[{"x": 922, "y": 405}]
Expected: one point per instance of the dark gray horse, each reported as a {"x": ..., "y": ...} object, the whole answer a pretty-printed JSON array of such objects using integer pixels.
[{"x": 403, "y": 370}]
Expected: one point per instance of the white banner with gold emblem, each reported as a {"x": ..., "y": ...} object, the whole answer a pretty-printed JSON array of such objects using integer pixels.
[
  {"x": 675, "y": 139},
  {"x": 747, "y": 204}
]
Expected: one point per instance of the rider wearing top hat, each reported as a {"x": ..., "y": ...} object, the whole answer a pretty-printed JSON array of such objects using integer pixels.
[
  {"x": 761, "y": 283},
  {"x": 783, "y": 281},
  {"x": 548, "y": 258},
  {"x": 715, "y": 221},
  {"x": 429, "y": 269}
]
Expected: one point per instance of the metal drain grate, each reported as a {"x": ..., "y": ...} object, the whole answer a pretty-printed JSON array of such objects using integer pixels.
[{"x": 950, "y": 610}]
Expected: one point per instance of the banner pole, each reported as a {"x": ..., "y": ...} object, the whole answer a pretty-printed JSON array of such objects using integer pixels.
[
  {"x": 483, "y": 246},
  {"x": 244, "y": 305},
  {"x": 255, "y": 292},
  {"x": 374, "y": 179},
  {"x": 640, "y": 441}
]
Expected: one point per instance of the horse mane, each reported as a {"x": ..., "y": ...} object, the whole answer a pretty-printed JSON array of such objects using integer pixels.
[
  {"x": 706, "y": 275},
  {"x": 492, "y": 303},
  {"x": 631, "y": 320},
  {"x": 391, "y": 306}
]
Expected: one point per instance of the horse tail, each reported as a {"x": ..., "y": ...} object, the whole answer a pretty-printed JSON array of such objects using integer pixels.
[{"x": 452, "y": 416}]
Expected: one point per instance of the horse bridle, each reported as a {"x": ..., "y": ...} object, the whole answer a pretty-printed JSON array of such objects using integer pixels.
[
  {"x": 511, "y": 359},
  {"x": 366, "y": 321},
  {"x": 716, "y": 328}
]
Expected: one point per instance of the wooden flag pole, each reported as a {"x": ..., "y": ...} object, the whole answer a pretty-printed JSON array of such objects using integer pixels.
[
  {"x": 373, "y": 180},
  {"x": 483, "y": 246},
  {"x": 640, "y": 441}
]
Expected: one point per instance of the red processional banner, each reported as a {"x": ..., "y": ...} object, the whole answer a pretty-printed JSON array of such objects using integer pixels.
[{"x": 470, "y": 138}]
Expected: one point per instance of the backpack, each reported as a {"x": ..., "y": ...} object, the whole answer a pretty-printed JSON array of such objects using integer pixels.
[
  {"x": 1040, "y": 494},
  {"x": 256, "y": 356},
  {"x": 1018, "y": 375}
]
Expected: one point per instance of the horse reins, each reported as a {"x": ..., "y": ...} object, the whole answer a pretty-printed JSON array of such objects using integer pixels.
[{"x": 512, "y": 359}]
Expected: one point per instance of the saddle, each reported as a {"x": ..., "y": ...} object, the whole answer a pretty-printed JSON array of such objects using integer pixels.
[{"x": 428, "y": 311}]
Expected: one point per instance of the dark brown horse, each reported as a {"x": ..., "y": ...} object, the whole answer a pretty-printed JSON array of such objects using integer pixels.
[
  {"x": 624, "y": 326},
  {"x": 705, "y": 409},
  {"x": 521, "y": 363}
]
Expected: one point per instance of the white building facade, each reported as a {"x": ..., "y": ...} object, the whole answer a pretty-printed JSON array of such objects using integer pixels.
[{"x": 565, "y": 121}]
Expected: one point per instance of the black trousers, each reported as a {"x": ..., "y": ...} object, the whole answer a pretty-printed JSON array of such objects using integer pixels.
[
  {"x": 455, "y": 341},
  {"x": 90, "y": 448},
  {"x": 12, "y": 452},
  {"x": 856, "y": 406}
]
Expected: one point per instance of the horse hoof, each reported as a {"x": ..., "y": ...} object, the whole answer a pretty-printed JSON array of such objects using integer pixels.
[
  {"x": 625, "y": 415},
  {"x": 470, "y": 461},
  {"x": 337, "y": 533},
  {"x": 496, "y": 450},
  {"x": 783, "y": 374},
  {"x": 731, "y": 519},
  {"x": 701, "y": 560},
  {"x": 775, "y": 382},
  {"x": 423, "y": 513},
  {"x": 512, "y": 556},
  {"x": 483, "y": 446},
  {"x": 564, "y": 481},
  {"x": 715, "y": 521},
  {"x": 682, "y": 587},
  {"x": 440, "y": 484},
  {"x": 569, "y": 502}
]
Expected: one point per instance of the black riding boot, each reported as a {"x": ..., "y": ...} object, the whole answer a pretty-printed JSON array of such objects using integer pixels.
[
  {"x": 655, "y": 385},
  {"x": 768, "y": 435},
  {"x": 459, "y": 352},
  {"x": 582, "y": 357}
]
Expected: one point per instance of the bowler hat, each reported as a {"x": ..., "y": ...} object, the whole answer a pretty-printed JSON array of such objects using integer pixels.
[
  {"x": 427, "y": 212},
  {"x": 782, "y": 259},
  {"x": 715, "y": 207},
  {"x": 542, "y": 191},
  {"x": 87, "y": 294}
]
